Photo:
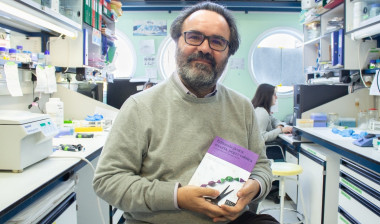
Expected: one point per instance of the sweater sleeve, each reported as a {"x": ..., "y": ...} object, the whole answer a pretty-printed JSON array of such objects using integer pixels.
[
  {"x": 117, "y": 178},
  {"x": 268, "y": 132}
]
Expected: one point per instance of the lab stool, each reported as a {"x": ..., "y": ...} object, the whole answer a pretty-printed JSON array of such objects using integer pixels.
[{"x": 282, "y": 171}]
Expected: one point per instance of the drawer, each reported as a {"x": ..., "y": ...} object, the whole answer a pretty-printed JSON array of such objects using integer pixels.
[
  {"x": 360, "y": 188},
  {"x": 366, "y": 176},
  {"x": 360, "y": 208},
  {"x": 345, "y": 218}
]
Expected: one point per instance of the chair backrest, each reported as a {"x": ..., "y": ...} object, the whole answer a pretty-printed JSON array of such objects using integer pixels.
[{"x": 271, "y": 146}]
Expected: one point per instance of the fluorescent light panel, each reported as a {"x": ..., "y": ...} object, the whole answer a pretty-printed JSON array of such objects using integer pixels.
[{"x": 36, "y": 20}]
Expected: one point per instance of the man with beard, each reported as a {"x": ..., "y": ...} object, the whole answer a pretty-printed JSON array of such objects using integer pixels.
[{"x": 161, "y": 135}]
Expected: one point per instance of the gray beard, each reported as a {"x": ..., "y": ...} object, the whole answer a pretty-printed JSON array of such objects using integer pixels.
[{"x": 200, "y": 76}]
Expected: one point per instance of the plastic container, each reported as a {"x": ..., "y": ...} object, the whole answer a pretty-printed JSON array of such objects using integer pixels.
[
  {"x": 378, "y": 63},
  {"x": 320, "y": 119},
  {"x": 12, "y": 54},
  {"x": 360, "y": 13},
  {"x": 374, "y": 10},
  {"x": 27, "y": 55},
  {"x": 372, "y": 116},
  {"x": 54, "y": 107},
  {"x": 3, "y": 53},
  {"x": 363, "y": 120},
  {"x": 372, "y": 64},
  {"x": 332, "y": 120},
  {"x": 19, "y": 48}
]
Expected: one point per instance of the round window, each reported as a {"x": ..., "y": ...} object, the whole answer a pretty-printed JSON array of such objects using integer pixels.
[{"x": 276, "y": 58}]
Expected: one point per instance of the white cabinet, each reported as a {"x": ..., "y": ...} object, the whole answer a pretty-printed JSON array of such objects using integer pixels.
[
  {"x": 291, "y": 156},
  {"x": 319, "y": 181}
]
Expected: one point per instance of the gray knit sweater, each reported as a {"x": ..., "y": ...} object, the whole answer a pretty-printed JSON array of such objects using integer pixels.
[
  {"x": 268, "y": 124},
  {"x": 159, "y": 138}
]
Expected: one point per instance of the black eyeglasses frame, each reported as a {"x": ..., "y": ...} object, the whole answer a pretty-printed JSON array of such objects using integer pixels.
[{"x": 208, "y": 40}]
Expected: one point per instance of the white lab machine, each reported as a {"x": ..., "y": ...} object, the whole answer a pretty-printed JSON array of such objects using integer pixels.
[{"x": 26, "y": 138}]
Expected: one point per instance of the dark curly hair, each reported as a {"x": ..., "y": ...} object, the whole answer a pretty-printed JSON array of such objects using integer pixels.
[{"x": 176, "y": 27}]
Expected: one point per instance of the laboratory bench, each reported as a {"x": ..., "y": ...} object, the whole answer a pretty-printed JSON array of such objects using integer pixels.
[
  {"x": 20, "y": 190},
  {"x": 368, "y": 157},
  {"x": 341, "y": 180}
]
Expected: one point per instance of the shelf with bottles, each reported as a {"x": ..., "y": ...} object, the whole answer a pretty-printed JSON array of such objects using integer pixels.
[{"x": 362, "y": 18}]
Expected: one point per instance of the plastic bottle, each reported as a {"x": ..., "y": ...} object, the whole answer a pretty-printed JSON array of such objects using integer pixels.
[
  {"x": 47, "y": 58},
  {"x": 12, "y": 54},
  {"x": 3, "y": 53},
  {"x": 54, "y": 107},
  {"x": 378, "y": 63},
  {"x": 372, "y": 64}
]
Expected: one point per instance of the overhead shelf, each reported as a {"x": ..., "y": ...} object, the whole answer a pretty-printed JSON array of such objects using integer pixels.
[{"x": 28, "y": 17}]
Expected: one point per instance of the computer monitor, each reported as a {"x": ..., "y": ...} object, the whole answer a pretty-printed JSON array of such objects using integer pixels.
[
  {"x": 89, "y": 89},
  {"x": 120, "y": 90}
]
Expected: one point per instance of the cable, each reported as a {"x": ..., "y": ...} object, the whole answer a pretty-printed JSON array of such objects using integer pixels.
[
  {"x": 360, "y": 68},
  {"x": 93, "y": 169}
]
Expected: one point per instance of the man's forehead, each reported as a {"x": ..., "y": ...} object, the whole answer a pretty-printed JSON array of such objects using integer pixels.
[{"x": 206, "y": 19}]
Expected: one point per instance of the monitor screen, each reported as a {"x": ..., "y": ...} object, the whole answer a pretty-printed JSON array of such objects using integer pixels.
[
  {"x": 89, "y": 89},
  {"x": 120, "y": 90}
]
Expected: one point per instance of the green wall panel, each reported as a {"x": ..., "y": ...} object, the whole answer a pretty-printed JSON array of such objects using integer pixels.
[{"x": 250, "y": 26}]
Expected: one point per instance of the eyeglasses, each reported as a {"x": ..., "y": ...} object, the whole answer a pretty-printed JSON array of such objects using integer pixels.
[{"x": 194, "y": 38}]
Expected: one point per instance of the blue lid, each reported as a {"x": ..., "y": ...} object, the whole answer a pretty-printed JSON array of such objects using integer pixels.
[
  {"x": 3, "y": 49},
  {"x": 375, "y": 5},
  {"x": 377, "y": 60},
  {"x": 19, "y": 47},
  {"x": 372, "y": 61},
  {"x": 12, "y": 50},
  {"x": 47, "y": 52}
]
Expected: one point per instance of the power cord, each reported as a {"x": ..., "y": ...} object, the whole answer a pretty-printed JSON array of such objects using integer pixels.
[
  {"x": 93, "y": 169},
  {"x": 360, "y": 67}
]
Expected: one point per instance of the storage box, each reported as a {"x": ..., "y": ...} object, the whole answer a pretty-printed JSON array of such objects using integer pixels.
[{"x": 320, "y": 119}]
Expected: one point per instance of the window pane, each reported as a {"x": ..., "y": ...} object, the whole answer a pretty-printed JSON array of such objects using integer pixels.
[
  {"x": 125, "y": 57},
  {"x": 276, "y": 58}
]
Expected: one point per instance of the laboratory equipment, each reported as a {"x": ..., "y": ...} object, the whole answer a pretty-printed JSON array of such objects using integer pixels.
[
  {"x": 55, "y": 109},
  {"x": 365, "y": 141},
  {"x": 307, "y": 97},
  {"x": 26, "y": 138}
]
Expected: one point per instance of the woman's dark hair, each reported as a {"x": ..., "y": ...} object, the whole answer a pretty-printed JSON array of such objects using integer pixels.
[
  {"x": 263, "y": 96},
  {"x": 176, "y": 27}
]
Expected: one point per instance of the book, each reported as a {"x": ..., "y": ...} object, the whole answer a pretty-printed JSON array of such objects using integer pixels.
[{"x": 225, "y": 164}]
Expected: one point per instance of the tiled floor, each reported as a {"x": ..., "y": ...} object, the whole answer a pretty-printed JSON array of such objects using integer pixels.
[{"x": 289, "y": 217}]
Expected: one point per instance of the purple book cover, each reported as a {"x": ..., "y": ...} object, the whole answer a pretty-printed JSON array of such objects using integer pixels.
[{"x": 233, "y": 153}]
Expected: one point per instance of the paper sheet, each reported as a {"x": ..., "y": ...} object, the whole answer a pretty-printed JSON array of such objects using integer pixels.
[
  {"x": 51, "y": 80},
  {"x": 42, "y": 82},
  {"x": 12, "y": 78}
]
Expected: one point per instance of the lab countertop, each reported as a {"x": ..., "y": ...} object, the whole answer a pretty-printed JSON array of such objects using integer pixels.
[
  {"x": 344, "y": 145},
  {"x": 16, "y": 187}
]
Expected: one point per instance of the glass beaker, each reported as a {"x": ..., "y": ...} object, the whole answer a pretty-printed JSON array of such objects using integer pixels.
[{"x": 332, "y": 119}]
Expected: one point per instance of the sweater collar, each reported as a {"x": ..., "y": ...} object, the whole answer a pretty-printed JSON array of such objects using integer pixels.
[{"x": 178, "y": 81}]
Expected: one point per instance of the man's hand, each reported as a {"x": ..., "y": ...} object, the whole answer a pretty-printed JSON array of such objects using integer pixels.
[
  {"x": 192, "y": 198},
  {"x": 249, "y": 190}
]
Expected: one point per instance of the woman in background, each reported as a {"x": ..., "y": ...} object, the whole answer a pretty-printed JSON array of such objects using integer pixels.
[{"x": 270, "y": 127}]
